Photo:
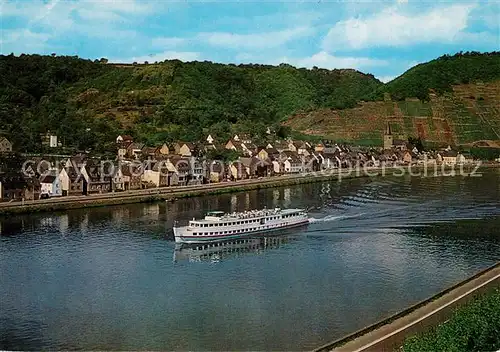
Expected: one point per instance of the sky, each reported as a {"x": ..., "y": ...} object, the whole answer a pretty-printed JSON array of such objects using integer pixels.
[{"x": 384, "y": 38}]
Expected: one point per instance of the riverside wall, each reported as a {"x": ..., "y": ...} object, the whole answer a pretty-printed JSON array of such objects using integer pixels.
[{"x": 173, "y": 193}]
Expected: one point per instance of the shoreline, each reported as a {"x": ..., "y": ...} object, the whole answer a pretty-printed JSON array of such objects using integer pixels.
[{"x": 174, "y": 193}]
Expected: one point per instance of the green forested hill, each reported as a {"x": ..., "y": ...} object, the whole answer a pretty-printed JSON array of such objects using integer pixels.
[
  {"x": 441, "y": 74},
  {"x": 463, "y": 108},
  {"x": 88, "y": 103}
]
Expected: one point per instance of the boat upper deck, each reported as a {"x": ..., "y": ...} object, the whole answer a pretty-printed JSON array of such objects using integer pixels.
[{"x": 218, "y": 216}]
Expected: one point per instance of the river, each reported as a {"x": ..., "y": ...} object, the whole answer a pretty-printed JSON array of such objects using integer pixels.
[{"x": 112, "y": 278}]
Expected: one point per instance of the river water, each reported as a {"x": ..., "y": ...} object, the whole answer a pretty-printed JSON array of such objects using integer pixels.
[{"x": 112, "y": 278}]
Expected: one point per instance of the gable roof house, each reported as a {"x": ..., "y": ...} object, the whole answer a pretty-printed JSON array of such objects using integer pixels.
[
  {"x": 182, "y": 169},
  {"x": 248, "y": 148},
  {"x": 312, "y": 162},
  {"x": 50, "y": 184},
  {"x": 185, "y": 148},
  {"x": 156, "y": 174},
  {"x": 124, "y": 139},
  {"x": 244, "y": 138},
  {"x": 134, "y": 150},
  {"x": 235, "y": 145},
  {"x": 273, "y": 153},
  {"x": 216, "y": 171},
  {"x": 149, "y": 153},
  {"x": 281, "y": 146},
  {"x": 98, "y": 177},
  {"x": 197, "y": 171},
  {"x": 256, "y": 167},
  {"x": 292, "y": 162},
  {"x": 131, "y": 176},
  {"x": 262, "y": 153},
  {"x": 70, "y": 178},
  {"x": 238, "y": 171},
  {"x": 449, "y": 157},
  {"x": 163, "y": 150},
  {"x": 5, "y": 145},
  {"x": 16, "y": 186}
]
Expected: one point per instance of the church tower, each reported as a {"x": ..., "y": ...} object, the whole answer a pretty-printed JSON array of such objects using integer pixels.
[{"x": 388, "y": 140}]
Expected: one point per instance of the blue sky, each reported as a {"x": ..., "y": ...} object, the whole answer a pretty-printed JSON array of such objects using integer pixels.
[{"x": 380, "y": 37}]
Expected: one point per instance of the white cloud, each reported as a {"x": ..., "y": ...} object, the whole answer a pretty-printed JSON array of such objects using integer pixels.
[
  {"x": 386, "y": 79},
  {"x": 22, "y": 41},
  {"x": 328, "y": 61},
  {"x": 255, "y": 41},
  {"x": 321, "y": 59},
  {"x": 120, "y": 6},
  {"x": 168, "y": 42},
  {"x": 166, "y": 55},
  {"x": 393, "y": 28}
]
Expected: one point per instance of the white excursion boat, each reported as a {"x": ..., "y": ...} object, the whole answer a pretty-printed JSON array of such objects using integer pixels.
[{"x": 218, "y": 225}]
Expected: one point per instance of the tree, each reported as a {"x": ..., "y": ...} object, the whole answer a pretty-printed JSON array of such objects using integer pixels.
[{"x": 416, "y": 143}]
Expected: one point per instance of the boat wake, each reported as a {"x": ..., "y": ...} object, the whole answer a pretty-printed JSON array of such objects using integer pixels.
[{"x": 334, "y": 218}]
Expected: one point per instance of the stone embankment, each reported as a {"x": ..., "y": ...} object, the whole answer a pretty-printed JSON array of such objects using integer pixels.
[{"x": 173, "y": 193}]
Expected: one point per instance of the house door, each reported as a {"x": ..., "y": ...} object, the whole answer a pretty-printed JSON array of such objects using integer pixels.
[{"x": 84, "y": 188}]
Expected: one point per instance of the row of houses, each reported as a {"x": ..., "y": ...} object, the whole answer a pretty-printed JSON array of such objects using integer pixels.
[
  {"x": 141, "y": 167},
  {"x": 79, "y": 175}
]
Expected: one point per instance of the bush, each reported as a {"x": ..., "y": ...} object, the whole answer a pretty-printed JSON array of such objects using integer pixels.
[{"x": 473, "y": 327}]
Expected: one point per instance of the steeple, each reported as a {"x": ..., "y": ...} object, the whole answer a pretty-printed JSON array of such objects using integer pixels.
[{"x": 388, "y": 131}]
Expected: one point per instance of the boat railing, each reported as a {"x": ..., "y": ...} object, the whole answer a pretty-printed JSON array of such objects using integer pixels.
[{"x": 249, "y": 214}]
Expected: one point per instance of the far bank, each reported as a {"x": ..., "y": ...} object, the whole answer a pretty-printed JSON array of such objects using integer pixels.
[{"x": 171, "y": 193}]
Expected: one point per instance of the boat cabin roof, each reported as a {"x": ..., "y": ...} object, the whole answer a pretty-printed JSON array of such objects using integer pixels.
[
  {"x": 215, "y": 213},
  {"x": 217, "y": 216}
]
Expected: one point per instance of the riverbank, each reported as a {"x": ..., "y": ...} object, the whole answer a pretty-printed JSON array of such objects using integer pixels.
[
  {"x": 473, "y": 327},
  {"x": 173, "y": 193},
  {"x": 390, "y": 334}
]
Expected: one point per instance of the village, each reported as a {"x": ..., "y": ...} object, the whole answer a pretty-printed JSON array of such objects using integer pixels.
[{"x": 138, "y": 166}]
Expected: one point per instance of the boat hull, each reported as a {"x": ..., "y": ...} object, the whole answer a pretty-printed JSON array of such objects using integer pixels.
[{"x": 182, "y": 238}]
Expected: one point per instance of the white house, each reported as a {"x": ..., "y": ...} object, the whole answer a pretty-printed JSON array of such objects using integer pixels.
[
  {"x": 119, "y": 179},
  {"x": 53, "y": 141},
  {"x": 197, "y": 168},
  {"x": 292, "y": 165},
  {"x": 276, "y": 167},
  {"x": 124, "y": 139},
  {"x": 210, "y": 140},
  {"x": 51, "y": 185},
  {"x": 64, "y": 181}
]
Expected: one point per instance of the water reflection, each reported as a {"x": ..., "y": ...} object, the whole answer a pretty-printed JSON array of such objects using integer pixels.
[{"x": 214, "y": 252}]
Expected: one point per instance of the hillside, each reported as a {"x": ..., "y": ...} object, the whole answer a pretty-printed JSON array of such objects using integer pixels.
[
  {"x": 453, "y": 99},
  {"x": 459, "y": 104},
  {"x": 88, "y": 103}
]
